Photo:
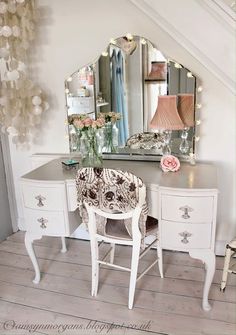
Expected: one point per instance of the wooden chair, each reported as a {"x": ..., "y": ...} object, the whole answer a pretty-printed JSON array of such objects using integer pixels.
[
  {"x": 113, "y": 205},
  {"x": 229, "y": 265}
]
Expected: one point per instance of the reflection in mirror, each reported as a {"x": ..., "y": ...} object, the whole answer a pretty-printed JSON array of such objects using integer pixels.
[{"x": 125, "y": 86}]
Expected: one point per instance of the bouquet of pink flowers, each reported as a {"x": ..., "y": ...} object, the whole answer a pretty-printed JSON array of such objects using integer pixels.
[
  {"x": 88, "y": 143},
  {"x": 84, "y": 122},
  {"x": 170, "y": 163},
  {"x": 110, "y": 116}
]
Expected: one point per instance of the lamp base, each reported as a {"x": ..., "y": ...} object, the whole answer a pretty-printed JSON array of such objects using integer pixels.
[
  {"x": 184, "y": 145},
  {"x": 166, "y": 149}
]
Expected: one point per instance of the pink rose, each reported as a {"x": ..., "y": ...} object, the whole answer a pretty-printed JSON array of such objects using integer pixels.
[
  {"x": 170, "y": 163},
  {"x": 87, "y": 122},
  {"x": 100, "y": 122},
  {"x": 94, "y": 124},
  {"x": 78, "y": 124}
]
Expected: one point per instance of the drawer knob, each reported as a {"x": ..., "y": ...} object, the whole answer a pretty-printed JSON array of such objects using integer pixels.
[
  {"x": 186, "y": 209},
  {"x": 40, "y": 199},
  {"x": 42, "y": 221},
  {"x": 185, "y": 235}
]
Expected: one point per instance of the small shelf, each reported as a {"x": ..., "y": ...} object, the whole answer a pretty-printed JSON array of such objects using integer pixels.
[
  {"x": 153, "y": 80},
  {"x": 79, "y": 96},
  {"x": 100, "y": 104}
]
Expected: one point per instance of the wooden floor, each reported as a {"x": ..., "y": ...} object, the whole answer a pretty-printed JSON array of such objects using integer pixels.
[{"x": 61, "y": 302}]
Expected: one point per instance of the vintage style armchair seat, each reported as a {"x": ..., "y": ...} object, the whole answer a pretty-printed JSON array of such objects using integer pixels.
[{"x": 113, "y": 204}]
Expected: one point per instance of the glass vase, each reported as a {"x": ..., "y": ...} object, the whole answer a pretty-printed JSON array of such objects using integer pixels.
[
  {"x": 74, "y": 138},
  {"x": 111, "y": 133},
  {"x": 78, "y": 137},
  {"x": 89, "y": 148}
]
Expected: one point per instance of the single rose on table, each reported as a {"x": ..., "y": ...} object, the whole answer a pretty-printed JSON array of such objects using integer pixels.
[{"x": 170, "y": 163}]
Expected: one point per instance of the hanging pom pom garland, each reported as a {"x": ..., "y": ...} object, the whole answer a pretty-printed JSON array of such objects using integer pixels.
[{"x": 21, "y": 101}]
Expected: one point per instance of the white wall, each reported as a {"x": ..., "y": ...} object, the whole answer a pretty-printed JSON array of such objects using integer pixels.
[
  {"x": 73, "y": 33},
  {"x": 202, "y": 32},
  {"x": 5, "y": 218}
]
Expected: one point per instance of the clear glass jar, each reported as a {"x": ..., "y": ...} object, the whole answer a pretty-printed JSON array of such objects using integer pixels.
[
  {"x": 89, "y": 148},
  {"x": 74, "y": 138},
  {"x": 115, "y": 136},
  {"x": 111, "y": 133}
]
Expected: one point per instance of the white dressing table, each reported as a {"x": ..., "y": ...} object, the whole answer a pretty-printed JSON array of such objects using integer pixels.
[{"x": 184, "y": 202}]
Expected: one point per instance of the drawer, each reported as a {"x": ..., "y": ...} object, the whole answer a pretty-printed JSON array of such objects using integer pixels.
[
  {"x": 44, "y": 198},
  {"x": 184, "y": 236},
  {"x": 45, "y": 223},
  {"x": 187, "y": 208}
]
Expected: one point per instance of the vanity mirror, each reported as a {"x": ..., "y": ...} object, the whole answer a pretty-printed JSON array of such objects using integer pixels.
[{"x": 155, "y": 98}]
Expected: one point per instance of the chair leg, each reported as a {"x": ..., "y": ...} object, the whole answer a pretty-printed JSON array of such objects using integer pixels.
[
  {"x": 134, "y": 271},
  {"x": 95, "y": 266},
  {"x": 228, "y": 255},
  {"x": 112, "y": 253},
  {"x": 160, "y": 260}
]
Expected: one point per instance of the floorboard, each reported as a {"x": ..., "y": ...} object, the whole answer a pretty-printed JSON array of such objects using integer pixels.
[{"x": 170, "y": 306}]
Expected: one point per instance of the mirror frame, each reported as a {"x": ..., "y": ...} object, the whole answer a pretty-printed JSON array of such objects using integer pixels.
[{"x": 141, "y": 155}]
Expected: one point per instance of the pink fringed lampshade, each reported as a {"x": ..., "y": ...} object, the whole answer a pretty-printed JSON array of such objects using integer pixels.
[
  {"x": 166, "y": 116},
  {"x": 186, "y": 109}
]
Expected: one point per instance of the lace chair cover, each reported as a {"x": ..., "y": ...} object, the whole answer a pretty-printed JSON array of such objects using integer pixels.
[{"x": 112, "y": 191}]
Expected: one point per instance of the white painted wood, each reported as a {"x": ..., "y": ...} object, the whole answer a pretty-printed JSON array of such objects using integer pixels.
[
  {"x": 29, "y": 238},
  {"x": 160, "y": 260},
  {"x": 71, "y": 195},
  {"x": 112, "y": 253},
  {"x": 46, "y": 213},
  {"x": 198, "y": 209},
  {"x": 222, "y": 12},
  {"x": 51, "y": 223},
  {"x": 152, "y": 200},
  {"x": 207, "y": 256},
  {"x": 134, "y": 241},
  {"x": 43, "y": 197},
  {"x": 202, "y": 176},
  {"x": 38, "y": 160},
  {"x": 134, "y": 265},
  {"x": 184, "y": 236},
  {"x": 49, "y": 248},
  {"x": 193, "y": 186},
  {"x": 196, "y": 238},
  {"x": 63, "y": 244},
  {"x": 229, "y": 263},
  {"x": 168, "y": 17}
]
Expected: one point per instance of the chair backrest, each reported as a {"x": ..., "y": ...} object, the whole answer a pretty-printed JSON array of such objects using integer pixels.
[{"x": 112, "y": 191}]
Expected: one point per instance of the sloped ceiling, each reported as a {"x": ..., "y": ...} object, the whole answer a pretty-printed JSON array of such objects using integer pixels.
[{"x": 206, "y": 28}]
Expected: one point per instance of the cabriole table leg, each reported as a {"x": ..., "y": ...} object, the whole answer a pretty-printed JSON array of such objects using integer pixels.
[
  {"x": 29, "y": 239},
  {"x": 208, "y": 258}
]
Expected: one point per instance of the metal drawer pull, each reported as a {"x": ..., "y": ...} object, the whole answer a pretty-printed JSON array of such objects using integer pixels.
[
  {"x": 185, "y": 236},
  {"x": 186, "y": 209},
  {"x": 40, "y": 199},
  {"x": 42, "y": 221}
]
